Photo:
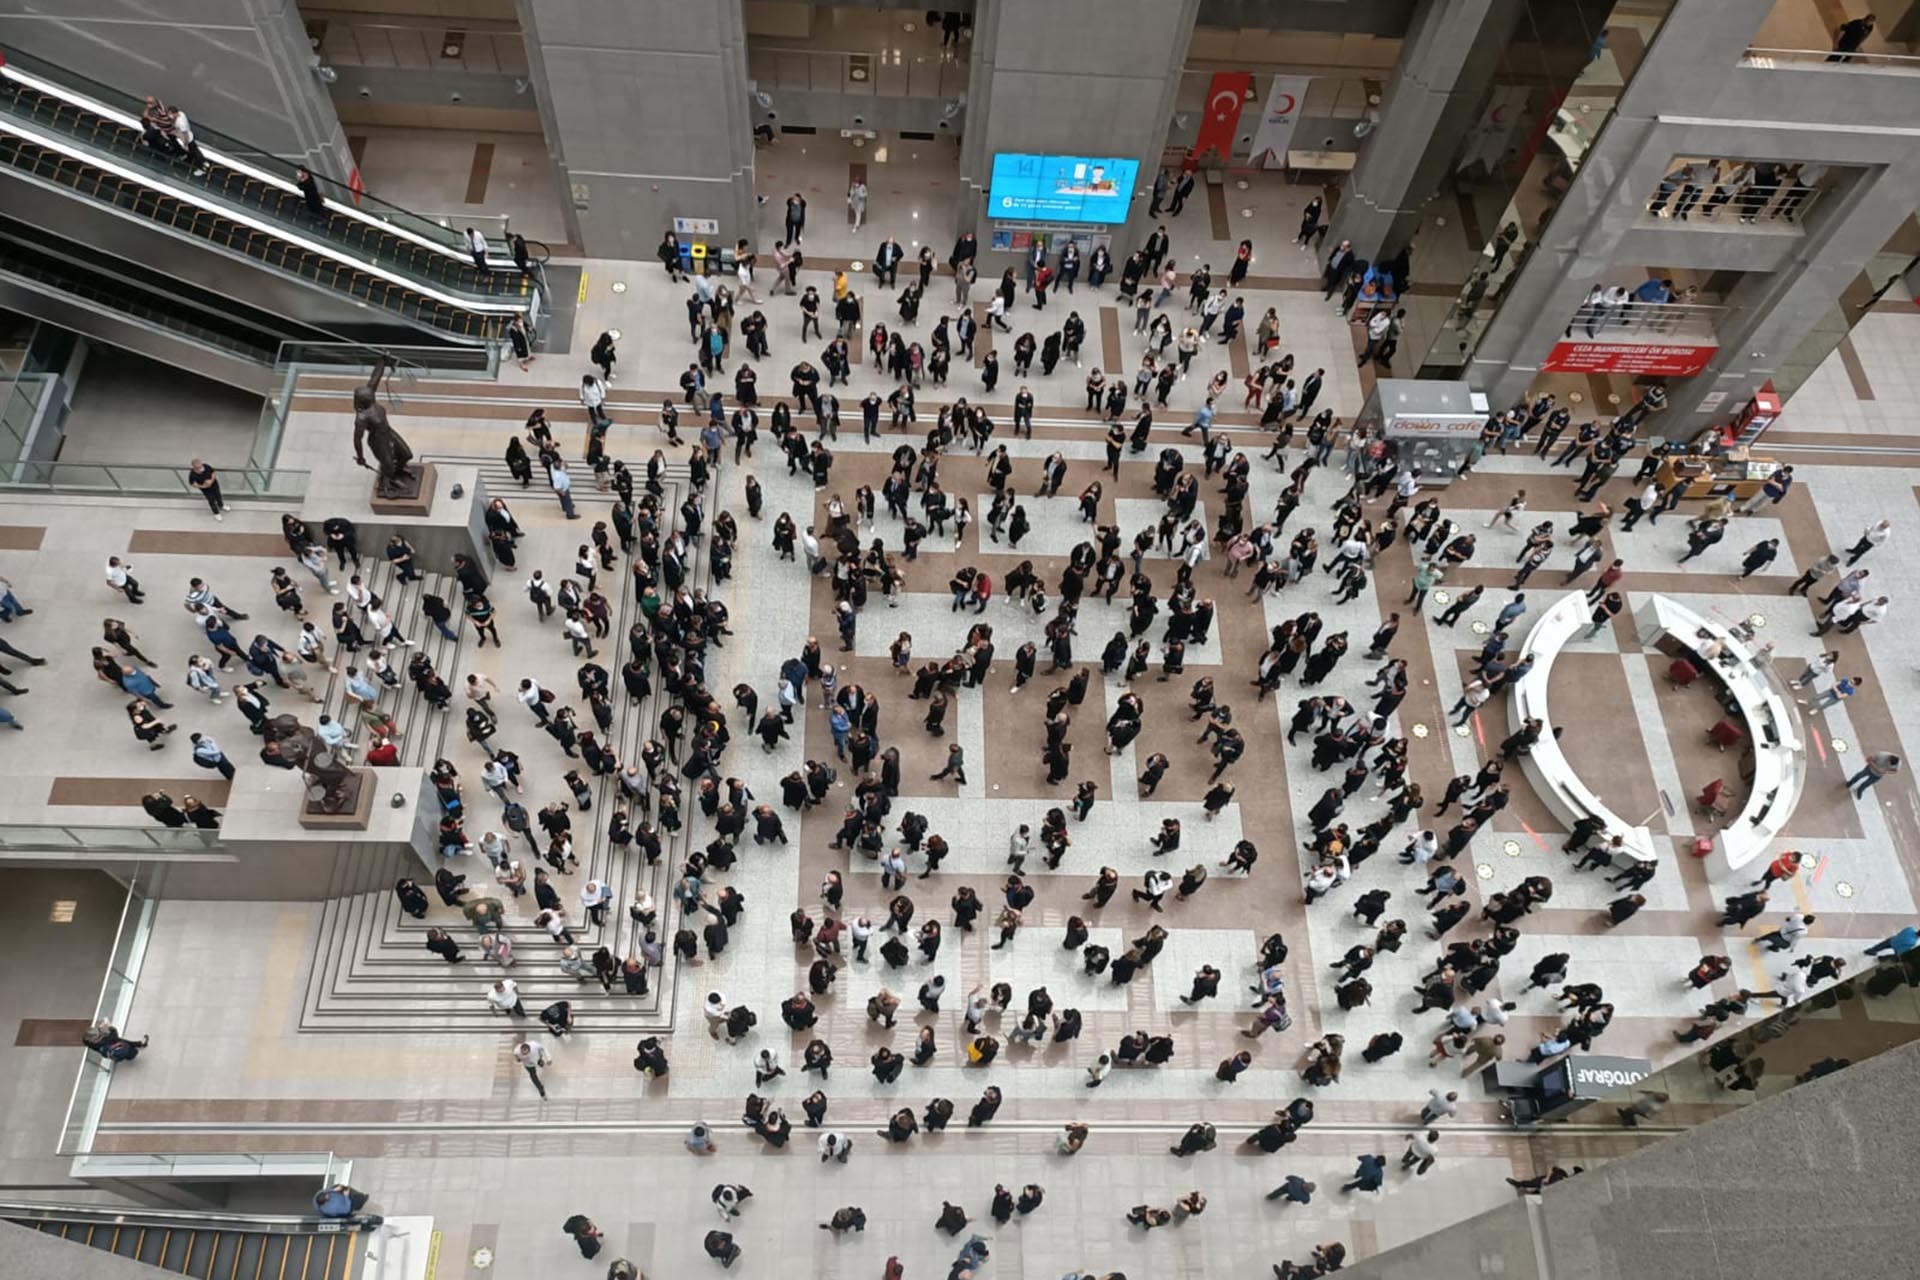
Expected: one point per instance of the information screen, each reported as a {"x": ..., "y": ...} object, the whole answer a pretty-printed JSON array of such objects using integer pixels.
[{"x": 1028, "y": 188}]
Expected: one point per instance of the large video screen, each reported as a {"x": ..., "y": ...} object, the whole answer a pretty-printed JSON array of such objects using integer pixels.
[{"x": 1029, "y": 188}]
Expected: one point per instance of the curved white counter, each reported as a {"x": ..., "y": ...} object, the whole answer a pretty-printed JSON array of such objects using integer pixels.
[
  {"x": 1546, "y": 767},
  {"x": 1773, "y": 730}
]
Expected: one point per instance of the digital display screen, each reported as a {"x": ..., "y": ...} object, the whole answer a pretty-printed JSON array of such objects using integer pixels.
[{"x": 1028, "y": 188}]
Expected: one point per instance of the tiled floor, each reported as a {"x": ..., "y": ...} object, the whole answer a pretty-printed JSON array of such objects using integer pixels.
[{"x": 445, "y": 1125}]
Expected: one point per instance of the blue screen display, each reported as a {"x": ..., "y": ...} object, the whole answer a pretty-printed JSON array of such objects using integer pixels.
[{"x": 1030, "y": 188}]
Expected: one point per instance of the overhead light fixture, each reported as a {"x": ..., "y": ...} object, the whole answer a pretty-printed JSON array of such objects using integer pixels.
[{"x": 63, "y": 909}]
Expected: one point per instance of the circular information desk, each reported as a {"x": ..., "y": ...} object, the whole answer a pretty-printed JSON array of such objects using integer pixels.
[{"x": 1773, "y": 729}]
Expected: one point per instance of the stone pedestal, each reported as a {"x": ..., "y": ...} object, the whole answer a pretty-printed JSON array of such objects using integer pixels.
[
  {"x": 356, "y": 812},
  {"x": 433, "y": 520},
  {"x": 414, "y": 498}
]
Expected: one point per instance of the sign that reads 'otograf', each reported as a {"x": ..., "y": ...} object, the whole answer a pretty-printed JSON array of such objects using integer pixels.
[{"x": 1029, "y": 188}]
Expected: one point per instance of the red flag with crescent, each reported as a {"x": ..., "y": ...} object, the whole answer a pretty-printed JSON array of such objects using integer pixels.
[{"x": 1226, "y": 94}]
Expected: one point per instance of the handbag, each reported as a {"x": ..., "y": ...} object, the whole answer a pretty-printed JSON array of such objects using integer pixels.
[{"x": 546, "y": 695}]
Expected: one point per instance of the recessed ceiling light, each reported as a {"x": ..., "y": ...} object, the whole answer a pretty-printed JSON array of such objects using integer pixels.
[{"x": 63, "y": 909}]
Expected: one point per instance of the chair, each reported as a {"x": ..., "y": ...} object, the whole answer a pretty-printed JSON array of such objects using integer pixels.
[{"x": 1682, "y": 673}]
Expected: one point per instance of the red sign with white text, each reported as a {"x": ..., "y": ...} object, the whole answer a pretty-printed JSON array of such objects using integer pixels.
[{"x": 1660, "y": 361}]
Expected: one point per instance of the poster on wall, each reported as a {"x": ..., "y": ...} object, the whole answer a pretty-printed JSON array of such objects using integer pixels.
[
  {"x": 1226, "y": 95},
  {"x": 1277, "y": 122},
  {"x": 1033, "y": 188},
  {"x": 1639, "y": 358}
]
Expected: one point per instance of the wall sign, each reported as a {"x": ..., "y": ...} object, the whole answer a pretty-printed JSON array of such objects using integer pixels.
[
  {"x": 1435, "y": 426},
  {"x": 1656, "y": 360},
  {"x": 696, "y": 226}
]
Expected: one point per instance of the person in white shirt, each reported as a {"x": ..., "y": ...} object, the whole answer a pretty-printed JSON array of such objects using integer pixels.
[
  {"x": 477, "y": 246},
  {"x": 577, "y": 635},
  {"x": 593, "y": 394},
  {"x": 532, "y": 1057},
  {"x": 595, "y": 897},
  {"x": 857, "y": 203},
  {"x": 835, "y": 1146},
  {"x": 1439, "y": 1104},
  {"x": 1421, "y": 1151},
  {"x": 531, "y": 697},
  {"x": 183, "y": 134},
  {"x": 716, "y": 1010},
  {"x": 200, "y": 676},
  {"x": 382, "y": 624},
  {"x": 120, "y": 578},
  {"x": 504, "y": 997}
]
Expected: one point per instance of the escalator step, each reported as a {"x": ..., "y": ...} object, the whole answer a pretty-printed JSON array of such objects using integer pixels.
[
  {"x": 225, "y": 1262},
  {"x": 177, "y": 1248},
  {"x": 200, "y": 1250},
  {"x": 152, "y": 1242}
]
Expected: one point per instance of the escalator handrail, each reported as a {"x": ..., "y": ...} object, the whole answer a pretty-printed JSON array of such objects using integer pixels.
[
  {"x": 439, "y": 239},
  {"x": 189, "y": 196},
  {"x": 23, "y": 1212}
]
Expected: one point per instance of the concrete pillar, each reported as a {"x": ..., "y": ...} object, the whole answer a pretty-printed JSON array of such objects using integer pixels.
[
  {"x": 1447, "y": 64},
  {"x": 644, "y": 103},
  {"x": 243, "y": 68},
  {"x": 1106, "y": 90}
]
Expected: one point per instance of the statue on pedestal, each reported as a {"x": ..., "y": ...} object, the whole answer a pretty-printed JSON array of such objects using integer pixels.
[{"x": 395, "y": 479}]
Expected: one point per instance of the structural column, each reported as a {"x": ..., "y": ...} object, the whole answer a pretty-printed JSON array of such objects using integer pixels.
[
  {"x": 1072, "y": 77},
  {"x": 243, "y": 68},
  {"x": 1447, "y": 65},
  {"x": 644, "y": 103}
]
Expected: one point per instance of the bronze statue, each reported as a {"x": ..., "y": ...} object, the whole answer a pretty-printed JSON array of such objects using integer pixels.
[
  {"x": 327, "y": 773},
  {"x": 395, "y": 478}
]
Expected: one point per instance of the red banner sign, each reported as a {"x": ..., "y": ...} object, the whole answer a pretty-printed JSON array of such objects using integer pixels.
[
  {"x": 1651, "y": 359},
  {"x": 1226, "y": 94}
]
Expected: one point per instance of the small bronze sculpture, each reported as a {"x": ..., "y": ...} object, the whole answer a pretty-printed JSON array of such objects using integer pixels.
[{"x": 395, "y": 479}]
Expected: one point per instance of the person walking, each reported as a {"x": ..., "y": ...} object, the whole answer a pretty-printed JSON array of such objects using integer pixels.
[{"x": 532, "y": 1057}]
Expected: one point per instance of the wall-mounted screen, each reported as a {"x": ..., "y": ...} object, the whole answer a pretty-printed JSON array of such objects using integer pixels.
[{"x": 1029, "y": 188}]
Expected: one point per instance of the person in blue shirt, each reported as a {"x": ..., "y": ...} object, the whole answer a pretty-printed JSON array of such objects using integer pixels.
[
  {"x": 1368, "y": 1175},
  {"x": 138, "y": 683},
  {"x": 1514, "y": 608},
  {"x": 1897, "y": 944},
  {"x": 1295, "y": 1189},
  {"x": 338, "y": 1201}
]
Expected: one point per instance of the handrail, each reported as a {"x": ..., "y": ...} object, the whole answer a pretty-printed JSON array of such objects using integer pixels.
[
  {"x": 124, "y": 305},
  {"x": 139, "y": 168},
  {"x": 140, "y": 842},
  {"x": 127, "y": 108},
  {"x": 89, "y": 1096},
  {"x": 30, "y": 475},
  {"x": 260, "y": 1223},
  {"x": 1758, "y": 56}
]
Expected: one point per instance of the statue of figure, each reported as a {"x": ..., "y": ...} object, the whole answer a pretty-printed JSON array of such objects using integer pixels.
[
  {"x": 370, "y": 426},
  {"x": 327, "y": 776}
]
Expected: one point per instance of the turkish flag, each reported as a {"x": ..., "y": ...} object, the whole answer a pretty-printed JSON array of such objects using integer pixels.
[
  {"x": 356, "y": 184},
  {"x": 1226, "y": 94}
]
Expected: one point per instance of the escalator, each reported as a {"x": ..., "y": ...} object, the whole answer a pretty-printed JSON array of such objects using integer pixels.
[
  {"x": 61, "y": 133},
  {"x": 34, "y": 258},
  {"x": 212, "y": 1246}
]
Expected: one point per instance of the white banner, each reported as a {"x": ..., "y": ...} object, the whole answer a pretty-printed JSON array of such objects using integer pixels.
[{"x": 1284, "y": 100}]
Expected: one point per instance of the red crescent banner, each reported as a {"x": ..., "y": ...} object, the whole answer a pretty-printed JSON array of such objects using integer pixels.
[
  {"x": 1655, "y": 360},
  {"x": 1226, "y": 94}
]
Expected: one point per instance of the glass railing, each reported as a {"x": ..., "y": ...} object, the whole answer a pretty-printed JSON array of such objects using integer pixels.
[
  {"x": 1651, "y": 322},
  {"x": 97, "y": 119},
  {"x": 134, "y": 480},
  {"x": 892, "y": 73},
  {"x": 409, "y": 363},
  {"x": 137, "y": 841},
  {"x": 129, "y": 952},
  {"x": 1903, "y": 63},
  {"x": 396, "y": 42}
]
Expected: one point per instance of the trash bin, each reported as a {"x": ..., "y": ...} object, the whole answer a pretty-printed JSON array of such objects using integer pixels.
[
  {"x": 699, "y": 259},
  {"x": 686, "y": 258}
]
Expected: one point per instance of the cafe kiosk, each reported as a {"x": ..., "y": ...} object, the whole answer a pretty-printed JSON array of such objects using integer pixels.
[{"x": 1436, "y": 424}]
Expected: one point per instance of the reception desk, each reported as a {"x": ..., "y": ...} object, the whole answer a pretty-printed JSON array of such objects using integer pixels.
[
  {"x": 1546, "y": 767},
  {"x": 1773, "y": 729}
]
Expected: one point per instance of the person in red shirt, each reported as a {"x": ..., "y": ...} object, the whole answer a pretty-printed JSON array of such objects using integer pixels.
[{"x": 1784, "y": 867}]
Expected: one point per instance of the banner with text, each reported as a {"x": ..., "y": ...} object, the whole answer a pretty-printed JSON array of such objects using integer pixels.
[
  {"x": 1652, "y": 359},
  {"x": 1284, "y": 100},
  {"x": 1226, "y": 94}
]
